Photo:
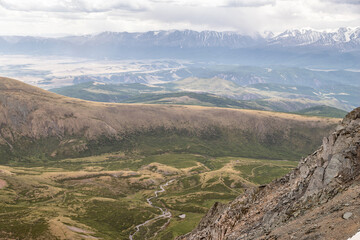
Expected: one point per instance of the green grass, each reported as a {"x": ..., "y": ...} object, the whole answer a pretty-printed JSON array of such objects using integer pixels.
[
  {"x": 114, "y": 220},
  {"x": 263, "y": 172},
  {"x": 179, "y": 226},
  {"x": 12, "y": 226},
  {"x": 105, "y": 93},
  {"x": 111, "y": 206},
  {"x": 323, "y": 111},
  {"x": 199, "y": 99},
  {"x": 140, "y": 93},
  {"x": 148, "y": 232},
  {"x": 282, "y": 83},
  {"x": 176, "y": 160}
]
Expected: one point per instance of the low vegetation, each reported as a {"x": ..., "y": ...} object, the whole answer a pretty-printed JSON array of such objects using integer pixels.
[
  {"x": 72, "y": 169},
  {"x": 103, "y": 198},
  {"x": 218, "y": 92},
  {"x": 323, "y": 111}
]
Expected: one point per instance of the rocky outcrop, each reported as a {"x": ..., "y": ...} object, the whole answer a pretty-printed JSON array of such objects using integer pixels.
[{"x": 307, "y": 203}]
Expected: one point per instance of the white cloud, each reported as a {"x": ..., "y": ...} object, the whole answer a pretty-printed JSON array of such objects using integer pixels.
[
  {"x": 75, "y": 5},
  {"x": 249, "y": 3},
  {"x": 54, "y": 17}
]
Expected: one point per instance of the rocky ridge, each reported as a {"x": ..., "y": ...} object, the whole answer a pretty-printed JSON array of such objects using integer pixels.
[{"x": 317, "y": 200}]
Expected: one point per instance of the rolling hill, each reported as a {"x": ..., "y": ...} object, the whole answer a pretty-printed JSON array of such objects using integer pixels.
[
  {"x": 323, "y": 111},
  {"x": 206, "y": 92},
  {"x": 59, "y": 126},
  {"x": 75, "y": 169}
]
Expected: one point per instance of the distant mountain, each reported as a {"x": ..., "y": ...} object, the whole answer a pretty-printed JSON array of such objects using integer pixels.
[
  {"x": 348, "y": 38},
  {"x": 315, "y": 47},
  {"x": 343, "y": 38}
]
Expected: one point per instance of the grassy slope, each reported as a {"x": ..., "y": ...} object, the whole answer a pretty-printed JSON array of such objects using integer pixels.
[
  {"x": 323, "y": 111},
  {"x": 216, "y": 86},
  {"x": 104, "y": 198},
  {"x": 104, "y": 195},
  {"x": 51, "y": 127},
  {"x": 166, "y": 94},
  {"x": 192, "y": 98},
  {"x": 211, "y": 92},
  {"x": 106, "y": 93}
]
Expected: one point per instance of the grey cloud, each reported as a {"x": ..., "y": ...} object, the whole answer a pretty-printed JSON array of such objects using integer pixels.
[
  {"x": 75, "y": 5},
  {"x": 351, "y": 2},
  {"x": 249, "y": 3}
]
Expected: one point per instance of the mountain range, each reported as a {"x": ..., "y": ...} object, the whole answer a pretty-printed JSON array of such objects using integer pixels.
[
  {"x": 304, "y": 47},
  {"x": 343, "y": 39},
  {"x": 191, "y": 150}
]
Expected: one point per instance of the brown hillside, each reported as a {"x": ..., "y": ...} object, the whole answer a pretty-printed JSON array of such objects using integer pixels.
[{"x": 31, "y": 113}]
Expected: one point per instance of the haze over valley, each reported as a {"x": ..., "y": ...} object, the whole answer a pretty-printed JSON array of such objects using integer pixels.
[{"x": 179, "y": 120}]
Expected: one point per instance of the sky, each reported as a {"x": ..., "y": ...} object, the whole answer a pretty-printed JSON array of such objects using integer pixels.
[{"x": 77, "y": 17}]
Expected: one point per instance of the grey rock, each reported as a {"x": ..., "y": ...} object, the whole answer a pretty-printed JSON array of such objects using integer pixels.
[
  {"x": 347, "y": 215},
  {"x": 333, "y": 168},
  {"x": 337, "y": 164},
  {"x": 316, "y": 182},
  {"x": 304, "y": 171}
]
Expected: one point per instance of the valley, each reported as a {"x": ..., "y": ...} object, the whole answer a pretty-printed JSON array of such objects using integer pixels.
[
  {"x": 179, "y": 120},
  {"x": 215, "y": 92},
  {"x": 106, "y": 197},
  {"x": 269, "y": 87},
  {"x": 75, "y": 169}
]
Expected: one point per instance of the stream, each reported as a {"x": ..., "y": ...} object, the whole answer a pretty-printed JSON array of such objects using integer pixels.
[{"x": 165, "y": 213}]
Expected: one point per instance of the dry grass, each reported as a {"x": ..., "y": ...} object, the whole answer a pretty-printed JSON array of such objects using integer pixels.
[
  {"x": 2, "y": 183},
  {"x": 33, "y": 112}
]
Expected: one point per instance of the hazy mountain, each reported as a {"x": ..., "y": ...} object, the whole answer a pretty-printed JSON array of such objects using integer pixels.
[
  {"x": 304, "y": 47},
  {"x": 343, "y": 38}
]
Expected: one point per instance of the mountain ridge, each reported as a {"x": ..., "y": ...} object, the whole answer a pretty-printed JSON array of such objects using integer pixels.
[
  {"x": 338, "y": 49},
  {"x": 317, "y": 200},
  {"x": 189, "y": 38}
]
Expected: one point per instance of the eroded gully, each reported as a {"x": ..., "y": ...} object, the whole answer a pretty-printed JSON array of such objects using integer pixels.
[{"x": 165, "y": 213}]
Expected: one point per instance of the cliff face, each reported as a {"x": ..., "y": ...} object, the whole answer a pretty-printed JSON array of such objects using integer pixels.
[{"x": 317, "y": 200}]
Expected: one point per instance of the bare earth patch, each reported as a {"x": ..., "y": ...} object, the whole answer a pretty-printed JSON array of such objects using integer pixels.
[
  {"x": 2, "y": 183},
  {"x": 78, "y": 230}
]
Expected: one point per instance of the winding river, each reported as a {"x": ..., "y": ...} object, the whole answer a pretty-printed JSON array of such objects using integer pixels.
[{"x": 165, "y": 213}]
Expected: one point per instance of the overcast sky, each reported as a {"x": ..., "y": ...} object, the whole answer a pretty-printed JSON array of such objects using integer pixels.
[{"x": 68, "y": 17}]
